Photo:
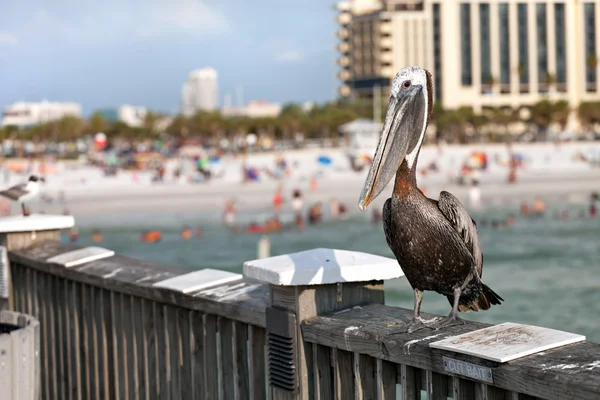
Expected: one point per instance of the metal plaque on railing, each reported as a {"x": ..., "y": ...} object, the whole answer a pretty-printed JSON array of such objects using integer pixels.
[
  {"x": 281, "y": 337},
  {"x": 81, "y": 256}
]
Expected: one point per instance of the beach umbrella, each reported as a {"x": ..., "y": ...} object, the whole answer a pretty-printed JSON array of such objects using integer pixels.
[{"x": 324, "y": 160}]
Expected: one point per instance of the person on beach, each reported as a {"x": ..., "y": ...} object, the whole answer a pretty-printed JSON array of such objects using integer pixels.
[
  {"x": 278, "y": 200},
  {"x": 334, "y": 208},
  {"x": 525, "y": 209},
  {"x": 539, "y": 207},
  {"x": 297, "y": 202},
  {"x": 315, "y": 214}
]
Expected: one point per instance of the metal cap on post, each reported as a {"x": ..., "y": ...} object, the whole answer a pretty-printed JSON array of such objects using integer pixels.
[
  {"x": 18, "y": 232},
  {"x": 304, "y": 285}
]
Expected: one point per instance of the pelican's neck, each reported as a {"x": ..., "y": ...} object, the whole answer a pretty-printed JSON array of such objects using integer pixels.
[{"x": 406, "y": 178}]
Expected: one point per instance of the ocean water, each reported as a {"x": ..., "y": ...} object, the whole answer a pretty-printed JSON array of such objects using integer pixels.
[{"x": 547, "y": 270}]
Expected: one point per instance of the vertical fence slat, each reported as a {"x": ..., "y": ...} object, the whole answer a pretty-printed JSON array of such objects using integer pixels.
[
  {"x": 241, "y": 360},
  {"x": 410, "y": 387},
  {"x": 75, "y": 339},
  {"x": 162, "y": 359},
  {"x": 106, "y": 371},
  {"x": 150, "y": 315},
  {"x": 198, "y": 373},
  {"x": 141, "y": 347},
  {"x": 83, "y": 316},
  {"x": 57, "y": 302},
  {"x": 322, "y": 371},
  {"x": 210, "y": 357},
  {"x": 46, "y": 337},
  {"x": 94, "y": 326},
  {"x": 386, "y": 380},
  {"x": 187, "y": 352},
  {"x": 173, "y": 339},
  {"x": 226, "y": 357},
  {"x": 128, "y": 318},
  {"x": 486, "y": 392},
  {"x": 343, "y": 374},
  {"x": 29, "y": 291},
  {"x": 116, "y": 337},
  {"x": 436, "y": 386},
  {"x": 462, "y": 389},
  {"x": 257, "y": 359}
]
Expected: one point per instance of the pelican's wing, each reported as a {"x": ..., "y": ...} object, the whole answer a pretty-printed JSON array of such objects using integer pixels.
[
  {"x": 386, "y": 216},
  {"x": 15, "y": 192},
  {"x": 460, "y": 219}
]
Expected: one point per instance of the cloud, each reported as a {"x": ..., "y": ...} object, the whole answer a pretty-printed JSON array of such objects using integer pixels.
[
  {"x": 194, "y": 17},
  {"x": 289, "y": 56},
  {"x": 8, "y": 39}
]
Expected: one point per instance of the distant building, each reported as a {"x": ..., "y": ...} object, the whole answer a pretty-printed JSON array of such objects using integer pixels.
[
  {"x": 24, "y": 114},
  {"x": 481, "y": 53},
  {"x": 130, "y": 115},
  {"x": 200, "y": 92},
  {"x": 254, "y": 109}
]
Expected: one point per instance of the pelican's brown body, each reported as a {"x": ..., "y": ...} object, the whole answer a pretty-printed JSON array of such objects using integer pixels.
[{"x": 431, "y": 252}]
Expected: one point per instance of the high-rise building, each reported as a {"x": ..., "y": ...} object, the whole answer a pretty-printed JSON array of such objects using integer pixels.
[
  {"x": 200, "y": 92},
  {"x": 25, "y": 114},
  {"x": 481, "y": 53}
]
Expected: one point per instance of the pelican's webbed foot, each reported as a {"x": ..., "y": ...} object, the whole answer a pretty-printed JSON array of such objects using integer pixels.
[
  {"x": 418, "y": 323},
  {"x": 450, "y": 320}
]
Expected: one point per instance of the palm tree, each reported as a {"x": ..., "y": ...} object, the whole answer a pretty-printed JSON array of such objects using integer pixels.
[{"x": 97, "y": 123}]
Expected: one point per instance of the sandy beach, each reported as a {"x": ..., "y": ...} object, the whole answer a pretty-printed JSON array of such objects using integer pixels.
[{"x": 549, "y": 171}]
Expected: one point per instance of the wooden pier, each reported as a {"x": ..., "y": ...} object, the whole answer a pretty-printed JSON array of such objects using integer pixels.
[{"x": 120, "y": 328}]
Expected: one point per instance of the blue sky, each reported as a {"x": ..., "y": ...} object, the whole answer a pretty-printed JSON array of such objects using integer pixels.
[{"x": 111, "y": 52}]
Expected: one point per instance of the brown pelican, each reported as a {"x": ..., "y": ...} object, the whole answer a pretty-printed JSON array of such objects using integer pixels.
[{"x": 435, "y": 242}]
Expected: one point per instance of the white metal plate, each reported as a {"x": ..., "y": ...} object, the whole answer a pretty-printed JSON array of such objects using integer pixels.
[
  {"x": 81, "y": 256},
  {"x": 198, "y": 280},
  {"x": 507, "y": 341},
  {"x": 322, "y": 266}
]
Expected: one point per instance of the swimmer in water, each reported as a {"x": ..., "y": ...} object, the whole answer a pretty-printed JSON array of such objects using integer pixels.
[
  {"x": 96, "y": 236},
  {"x": 186, "y": 232}
]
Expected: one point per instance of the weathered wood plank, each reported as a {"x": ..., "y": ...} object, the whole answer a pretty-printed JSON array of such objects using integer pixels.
[
  {"x": 364, "y": 376},
  {"x": 257, "y": 355},
  {"x": 323, "y": 372},
  {"x": 226, "y": 357},
  {"x": 83, "y": 316},
  {"x": 487, "y": 392},
  {"x": 58, "y": 302},
  {"x": 128, "y": 320},
  {"x": 211, "y": 363},
  {"x": 409, "y": 381},
  {"x": 46, "y": 336},
  {"x": 106, "y": 347},
  {"x": 140, "y": 348},
  {"x": 386, "y": 378},
  {"x": 184, "y": 322},
  {"x": 462, "y": 389},
  {"x": 163, "y": 355},
  {"x": 174, "y": 340},
  {"x": 94, "y": 327},
  {"x": 436, "y": 386},
  {"x": 343, "y": 374},
  {"x": 151, "y": 375},
  {"x": 74, "y": 339},
  {"x": 116, "y": 338},
  {"x": 198, "y": 372},
  {"x": 243, "y": 301},
  {"x": 241, "y": 360},
  {"x": 380, "y": 338}
]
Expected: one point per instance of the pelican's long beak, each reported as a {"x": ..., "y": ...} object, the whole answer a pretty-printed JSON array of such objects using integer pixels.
[{"x": 399, "y": 135}]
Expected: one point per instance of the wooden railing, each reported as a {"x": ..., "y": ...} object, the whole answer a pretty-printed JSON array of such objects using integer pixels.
[{"x": 107, "y": 332}]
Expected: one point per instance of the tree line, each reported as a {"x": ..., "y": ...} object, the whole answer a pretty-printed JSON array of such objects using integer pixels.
[{"x": 322, "y": 121}]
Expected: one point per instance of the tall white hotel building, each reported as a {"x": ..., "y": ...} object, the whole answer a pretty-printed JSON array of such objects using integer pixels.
[{"x": 481, "y": 53}]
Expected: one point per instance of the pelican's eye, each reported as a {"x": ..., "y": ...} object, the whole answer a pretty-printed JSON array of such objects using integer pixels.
[{"x": 405, "y": 84}]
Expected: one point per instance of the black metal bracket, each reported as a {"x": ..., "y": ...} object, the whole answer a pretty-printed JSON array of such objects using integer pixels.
[{"x": 283, "y": 350}]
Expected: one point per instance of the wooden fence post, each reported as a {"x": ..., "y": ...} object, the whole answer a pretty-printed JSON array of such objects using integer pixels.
[
  {"x": 18, "y": 232},
  {"x": 19, "y": 356},
  {"x": 302, "y": 286}
]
